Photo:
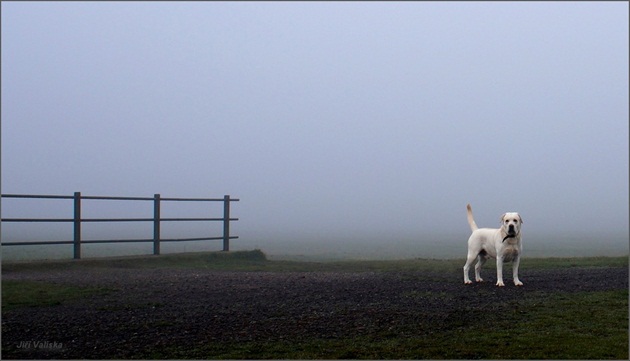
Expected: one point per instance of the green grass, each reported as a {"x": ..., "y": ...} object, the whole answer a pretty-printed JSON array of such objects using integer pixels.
[
  {"x": 16, "y": 294},
  {"x": 574, "y": 326},
  {"x": 256, "y": 260},
  {"x": 234, "y": 261},
  {"x": 246, "y": 260},
  {"x": 554, "y": 262}
]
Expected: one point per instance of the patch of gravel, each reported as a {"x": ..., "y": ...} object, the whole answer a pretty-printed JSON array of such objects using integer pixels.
[{"x": 150, "y": 309}]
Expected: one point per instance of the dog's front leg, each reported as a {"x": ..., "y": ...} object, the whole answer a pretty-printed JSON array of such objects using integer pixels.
[
  {"x": 515, "y": 265},
  {"x": 500, "y": 271}
]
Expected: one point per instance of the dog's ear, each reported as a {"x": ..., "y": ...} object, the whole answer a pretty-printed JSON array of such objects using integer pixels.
[
  {"x": 520, "y": 218},
  {"x": 502, "y": 218}
]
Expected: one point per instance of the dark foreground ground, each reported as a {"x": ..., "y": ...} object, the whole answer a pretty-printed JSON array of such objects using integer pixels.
[{"x": 191, "y": 313}]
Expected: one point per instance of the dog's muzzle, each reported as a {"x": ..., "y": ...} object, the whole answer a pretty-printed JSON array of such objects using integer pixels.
[{"x": 511, "y": 233}]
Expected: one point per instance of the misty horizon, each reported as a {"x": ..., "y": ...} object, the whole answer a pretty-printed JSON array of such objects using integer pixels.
[{"x": 334, "y": 123}]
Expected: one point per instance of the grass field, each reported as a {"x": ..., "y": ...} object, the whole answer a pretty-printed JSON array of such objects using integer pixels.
[
  {"x": 540, "y": 325},
  {"x": 257, "y": 261}
]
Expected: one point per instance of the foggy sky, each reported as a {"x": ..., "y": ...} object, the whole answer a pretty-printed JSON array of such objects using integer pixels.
[{"x": 330, "y": 121}]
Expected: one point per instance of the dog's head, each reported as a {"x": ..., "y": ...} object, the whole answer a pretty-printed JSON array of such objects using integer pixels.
[{"x": 511, "y": 223}]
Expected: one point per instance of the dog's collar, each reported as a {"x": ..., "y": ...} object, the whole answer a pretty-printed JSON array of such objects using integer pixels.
[{"x": 508, "y": 236}]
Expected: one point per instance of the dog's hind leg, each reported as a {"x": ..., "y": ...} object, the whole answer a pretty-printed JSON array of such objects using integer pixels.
[
  {"x": 481, "y": 259},
  {"x": 469, "y": 261}
]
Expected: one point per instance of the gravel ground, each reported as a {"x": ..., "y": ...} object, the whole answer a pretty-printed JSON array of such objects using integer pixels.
[{"x": 150, "y": 309}]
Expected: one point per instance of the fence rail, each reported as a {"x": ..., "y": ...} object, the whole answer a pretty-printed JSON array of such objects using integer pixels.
[{"x": 157, "y": 200}]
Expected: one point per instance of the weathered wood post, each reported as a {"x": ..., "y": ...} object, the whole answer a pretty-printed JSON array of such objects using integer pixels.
[
  {"x": 77, "y": 225},
  {"x": 156, "y": 224},
  {"x": 226, "y": 223}
]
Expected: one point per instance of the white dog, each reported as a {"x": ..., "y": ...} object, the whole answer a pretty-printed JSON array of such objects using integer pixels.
[{"x": 503, "y": 243}]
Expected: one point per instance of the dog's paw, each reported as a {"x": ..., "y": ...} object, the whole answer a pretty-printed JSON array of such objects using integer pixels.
[
  {"x": 479, "y": 280},
  {"x": 468, "y": 282},
  {"x": 518, "y": 283},
  {"x": 500, "y": 284}
]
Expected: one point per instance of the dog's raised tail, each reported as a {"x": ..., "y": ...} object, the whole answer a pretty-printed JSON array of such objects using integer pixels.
[{"x": 471, "y": 220}]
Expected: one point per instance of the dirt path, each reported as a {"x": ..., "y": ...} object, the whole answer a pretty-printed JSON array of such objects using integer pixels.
[{"x": 152, "y": 308}]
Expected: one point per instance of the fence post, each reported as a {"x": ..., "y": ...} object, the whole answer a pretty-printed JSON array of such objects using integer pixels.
[
  {"x": 156, "y": 224},
  {"x": 77, "y": 225},
  {"x": 226, "y": 223}
]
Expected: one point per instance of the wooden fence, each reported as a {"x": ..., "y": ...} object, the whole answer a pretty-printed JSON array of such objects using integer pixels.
[{"x": 77, "y": 220}]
